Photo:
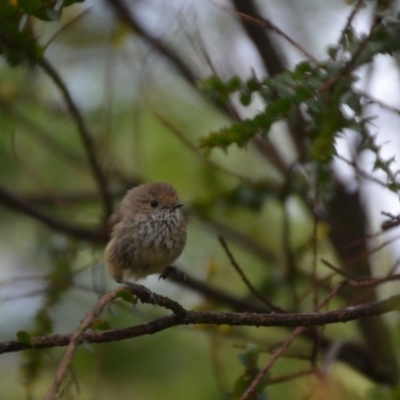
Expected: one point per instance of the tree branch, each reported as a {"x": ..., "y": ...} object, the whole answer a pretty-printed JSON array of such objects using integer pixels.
[
  {"x": 215, "y": 318},
  {"x": 246, "y": 281},
  {"x": 76, "y": 339},
  {"x": 255, "y": 27},
  {"x": 79, "y": 232},
  {"x": 85, "y": 135},
  {"x": 124, "y": 14}
]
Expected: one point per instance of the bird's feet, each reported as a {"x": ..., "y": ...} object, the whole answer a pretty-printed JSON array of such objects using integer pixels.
[
  {"x": 140, "y": 291},
  {"x": 172, "y": 272}
]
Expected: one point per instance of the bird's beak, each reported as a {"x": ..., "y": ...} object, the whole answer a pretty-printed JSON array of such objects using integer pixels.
[{"x": 174, "y": 206}]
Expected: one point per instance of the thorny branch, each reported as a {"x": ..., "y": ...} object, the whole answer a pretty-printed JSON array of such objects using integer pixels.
[{"x": 347, "y": 27}]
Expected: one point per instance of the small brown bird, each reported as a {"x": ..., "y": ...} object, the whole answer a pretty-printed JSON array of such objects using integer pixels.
[{"x": 148, "y": 232}]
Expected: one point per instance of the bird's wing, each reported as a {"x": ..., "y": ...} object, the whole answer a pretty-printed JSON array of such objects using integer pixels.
[{"x": 114, "y": 219}]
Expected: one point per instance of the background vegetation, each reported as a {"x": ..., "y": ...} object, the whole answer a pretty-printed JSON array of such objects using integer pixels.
[{"x": 277, "y": 123}]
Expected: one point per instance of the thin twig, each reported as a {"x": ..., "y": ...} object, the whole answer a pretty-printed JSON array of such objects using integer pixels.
[
  {"x": 66, "y": 26},
  {"x": 349, "y": 65},
  {"x": 336, "y": 269},
  {"x": 14, "y": 202},
  {"x": 298, "y": 331},
  {"x": 244, "y": 240},
  {"x": 124, "y": 14},
  {"x": 218, "y": 295},
  {"x": 140, "y": 291},
  {"x": 42, "y": 135},
  {"x": 392, "y": 222},
  {"x": 360, "y": 257},
  {"x": 289, "y": 377},
  {"x": 315, "y": 246},
  {"x": 266, "y": 23},
  {"x": 68, "y": 198},
  {"x": 361, "y": 172},
  {"x": 373, "y": 281},
  {"x": 76, "y": 338},
  {"x": 244, "y": 278},
  {"x": 349, "y": 21},
  {"x": 248, "y": 394},
  {"x": 380, "y": 103},
  {"x": 86, "y": 136}
]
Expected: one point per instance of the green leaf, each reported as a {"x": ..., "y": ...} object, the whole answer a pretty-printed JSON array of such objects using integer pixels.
[
  {"x": 253, "y": 84},
  {"x": 279, "y": 107},
  {"x": 332, "y": 51},
  {"x": 241, "y": 132},
  {"x": 384, "y": 40},
  {"x": 17, "y": 40},
  {"x": 29, "y": 6},
  {"x": 234, "y": 84},
  {"x": 25, "y": 337},
  {"x": 245, "y": 98},
  {"x": 353, "y": 100},
  {"x": 100, "y": 325},
  {"x": 126, "y": 296},
  {"x": 302, "y": 69},
  {"x": 302, "y": 93},
  {"x": 249, "y": 359},
  {"x": 384, "y": 393}
]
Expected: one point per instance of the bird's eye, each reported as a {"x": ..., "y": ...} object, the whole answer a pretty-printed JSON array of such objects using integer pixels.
[{"x": 154, "y": 203}]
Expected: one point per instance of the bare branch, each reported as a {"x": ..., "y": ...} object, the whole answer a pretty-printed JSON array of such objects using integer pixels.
[
  {"x": 14, "y": 202},
  {"x": 245, "y": 280},
  {"x": 76, "y": 339},
  {"x": 250, "y": 16},
  {"x": 42, "y": 135},
  {"x": 361, "y": 311},
  {"x": 256, "y": 382},
  {"x": 125, "y": 15},
  {"x": 85, "y": 135}
]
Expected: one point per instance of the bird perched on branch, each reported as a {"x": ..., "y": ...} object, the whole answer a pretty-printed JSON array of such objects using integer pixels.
[{"x": 148, "y": 232}]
